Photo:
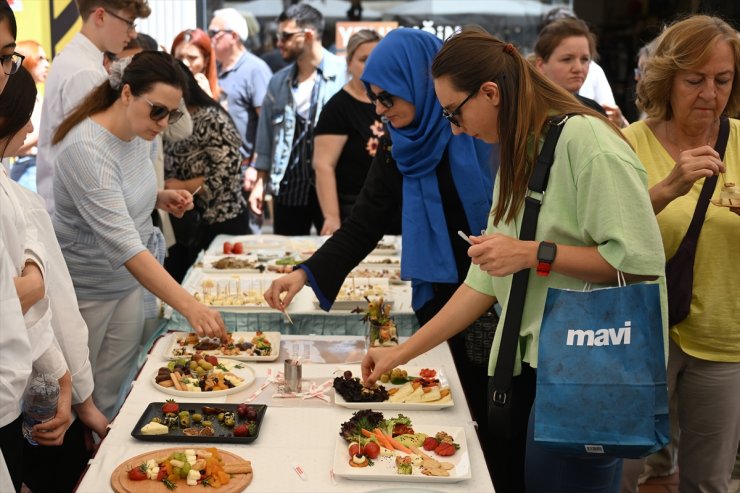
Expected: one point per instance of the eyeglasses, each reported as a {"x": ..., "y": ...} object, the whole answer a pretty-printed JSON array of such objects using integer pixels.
[
  {"x": 638, "y": 72},
  {"x": 131, "y": 24},
  {"x": 159, "y": 112},
  {"x": 385, "y": 98},
  {"x": 11, "y": 63},
  {"x": 286, "y": 35},
  {"x": 452, "y": 116},
  {"x": 212, "y": 33}
]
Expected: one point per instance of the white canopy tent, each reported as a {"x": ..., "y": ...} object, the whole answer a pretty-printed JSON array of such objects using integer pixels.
[
  {"x": 483, "y": 7},
  {"x": 329, "y": 8}
]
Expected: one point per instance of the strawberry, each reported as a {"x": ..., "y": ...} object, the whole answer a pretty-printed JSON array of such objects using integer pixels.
[
  {"x": 430, "y": 443},
  {"x": 170, "y": 407},
  {"x": 211, "y": 359},
  {"x": 445, "y": 449},
  {"x": 244, "y": 430},
  {"x": 137, "y": 473}
]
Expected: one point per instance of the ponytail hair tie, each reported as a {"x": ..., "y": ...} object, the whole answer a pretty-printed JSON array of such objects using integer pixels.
[{"x": 509, "y": 48}]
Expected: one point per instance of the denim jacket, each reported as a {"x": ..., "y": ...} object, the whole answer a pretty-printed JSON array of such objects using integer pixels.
[{"x": 277, "y": 120}]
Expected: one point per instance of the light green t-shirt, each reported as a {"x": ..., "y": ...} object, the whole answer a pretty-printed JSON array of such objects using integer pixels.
[
  {"x": 596, "y": 195},
  {"x": 712, "y": 329}
]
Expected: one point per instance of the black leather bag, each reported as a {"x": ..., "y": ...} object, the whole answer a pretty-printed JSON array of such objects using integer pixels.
[
  {"x": 679, "y": 269},
  {"x": 189, "y": 229}
]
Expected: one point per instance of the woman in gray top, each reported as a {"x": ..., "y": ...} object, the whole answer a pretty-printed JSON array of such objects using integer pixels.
[{"x": 105, "y": 191}]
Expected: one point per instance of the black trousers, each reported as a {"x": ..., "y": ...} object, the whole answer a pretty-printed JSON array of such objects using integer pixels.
[
  {"x": 61, "y": 467},
  {"x": 297, "y": 220},
  {"x": 11, "y": 444},
  {"x": 181, "y": 256}
]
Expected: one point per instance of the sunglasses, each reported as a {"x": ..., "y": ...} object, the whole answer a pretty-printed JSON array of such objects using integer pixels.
[
  {"x": 11, "y": 63},
  {"x": 159, "y": 112},
  {"x": 212, "y": 33},
  {"x": 286, "y": 35},
  {"x": 452, "y": 116},
  {"x": 385, "y": 98}
]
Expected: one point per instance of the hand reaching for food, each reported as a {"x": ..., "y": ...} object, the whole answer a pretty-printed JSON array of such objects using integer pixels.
[{"x": 290, "y": 285}]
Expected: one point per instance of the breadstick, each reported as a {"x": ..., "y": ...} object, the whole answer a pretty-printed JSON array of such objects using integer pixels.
[
  {"x": 176, "y": 380},
  {"x": 243, "y": 467},
  {"x": 167, "y": 383}
]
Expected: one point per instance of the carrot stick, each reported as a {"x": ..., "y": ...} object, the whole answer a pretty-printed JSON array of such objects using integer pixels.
[
  {"x": 368, "y": 434},
  {"x": 383, "y": 439},
  {"x": 398, "y": 445}
]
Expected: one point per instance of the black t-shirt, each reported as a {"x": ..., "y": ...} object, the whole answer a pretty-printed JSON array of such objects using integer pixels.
[{"x": 345, "y": 115}]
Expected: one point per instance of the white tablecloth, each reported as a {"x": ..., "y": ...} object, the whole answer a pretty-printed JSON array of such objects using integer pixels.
[{"x": 292, "y": 434}]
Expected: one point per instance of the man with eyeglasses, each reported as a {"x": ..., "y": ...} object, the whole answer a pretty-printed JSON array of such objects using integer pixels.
[
  {"x": 107, "y": 25},
  {"x": 243, "y": 77},
  {"x": 294, "y": 100}
]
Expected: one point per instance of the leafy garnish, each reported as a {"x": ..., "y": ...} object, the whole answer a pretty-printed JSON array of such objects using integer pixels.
[
  {"x": 387, "y": 424},
  {"x": 169, "y": 484},
  {"x": 364, "y": 419}
]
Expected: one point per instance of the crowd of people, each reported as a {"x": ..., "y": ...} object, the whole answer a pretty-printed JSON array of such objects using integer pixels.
[{"x": 140, "y": 158}]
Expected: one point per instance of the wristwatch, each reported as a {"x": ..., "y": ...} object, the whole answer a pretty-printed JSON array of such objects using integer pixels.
[{"x": 545, "y": 257}]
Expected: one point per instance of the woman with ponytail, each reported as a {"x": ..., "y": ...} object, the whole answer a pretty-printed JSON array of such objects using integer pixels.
[
  {"x": 596, "y": 220},
  {"x": 105, "y": 190}
]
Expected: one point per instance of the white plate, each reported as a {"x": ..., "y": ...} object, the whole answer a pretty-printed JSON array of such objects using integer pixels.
[
  {"x": 404, "y": 406},
  {"x": 253, "y": 284},
  {"x": 209, "y": 260},
  {"x": 384, "y": 468},
  {"x": 378, "y": 262},
  {"x": 250, "y": 242},
  {"x": 245, "y": 373},
  {"x": 273, "y": 337},
  {"x": 377, "y": 252}
]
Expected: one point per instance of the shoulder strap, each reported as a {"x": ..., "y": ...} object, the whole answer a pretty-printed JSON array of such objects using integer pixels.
[
  {"x": 515, "y": 307},
  {"x": 707, "y": 190}
]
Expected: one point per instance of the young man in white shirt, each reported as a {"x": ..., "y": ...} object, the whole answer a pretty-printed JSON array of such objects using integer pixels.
[{"x": 107, "y": 25}]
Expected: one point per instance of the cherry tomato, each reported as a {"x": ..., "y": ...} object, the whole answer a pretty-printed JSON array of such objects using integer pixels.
[
  {"x": 354, "y": 449},
  {"x": 238, "y": 248},
  {"x": 371, "y": 450},
  {"x": 161, "y": 474},
  {"x": 136, "y": 474},
  {"x": 228, "y": 247}
]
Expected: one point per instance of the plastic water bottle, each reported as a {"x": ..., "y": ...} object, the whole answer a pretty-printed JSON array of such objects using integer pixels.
[{"x": 39, "y": 403}]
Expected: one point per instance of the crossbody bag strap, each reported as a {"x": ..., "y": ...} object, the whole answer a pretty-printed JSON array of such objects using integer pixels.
[
  {"x": 707, "y": 190},
  {"x": 515, "y": 307}
]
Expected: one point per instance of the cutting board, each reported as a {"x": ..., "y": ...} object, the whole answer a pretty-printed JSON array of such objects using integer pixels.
[{"x": 122, "y": 484}]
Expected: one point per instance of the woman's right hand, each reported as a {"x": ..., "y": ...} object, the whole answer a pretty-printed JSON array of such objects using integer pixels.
[
  {"x": 205, "y": 321},
  {"x": 378, "y": 361},
  {"x": 692, "y": 165},
  {"x": 289, "y": 284},
  {"x": 331, "y": 224}
]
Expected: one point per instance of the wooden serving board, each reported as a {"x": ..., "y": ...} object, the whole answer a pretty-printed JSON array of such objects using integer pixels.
[{"x": 122, "y": 484}]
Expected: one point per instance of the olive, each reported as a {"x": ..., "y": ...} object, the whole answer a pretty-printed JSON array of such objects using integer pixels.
[
  {"x": 205, "y": 423},
  {"x": 197, "y": 418},
  {"x": 220, "y": 417}
]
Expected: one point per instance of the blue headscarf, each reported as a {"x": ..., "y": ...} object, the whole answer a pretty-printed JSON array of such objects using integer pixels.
[{"x": 400, "y": 65}]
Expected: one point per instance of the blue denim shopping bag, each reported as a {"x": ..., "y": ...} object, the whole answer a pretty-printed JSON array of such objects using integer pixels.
[{"x": 601, "y": 378}]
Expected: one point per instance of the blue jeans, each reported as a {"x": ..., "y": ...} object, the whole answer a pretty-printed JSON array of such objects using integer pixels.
[{"x": 547, "y": 471}]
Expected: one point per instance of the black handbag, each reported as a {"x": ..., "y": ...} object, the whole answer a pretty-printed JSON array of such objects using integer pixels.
[
  {"x": 189, "y": 229},
  {"x": 679, "y": 269}
]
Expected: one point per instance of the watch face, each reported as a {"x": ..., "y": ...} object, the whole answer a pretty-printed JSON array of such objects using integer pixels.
[{"x": 546, "y": 252}]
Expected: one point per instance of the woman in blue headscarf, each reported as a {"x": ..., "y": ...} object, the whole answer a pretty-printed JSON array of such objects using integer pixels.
[{"x": 441, "y": 183}]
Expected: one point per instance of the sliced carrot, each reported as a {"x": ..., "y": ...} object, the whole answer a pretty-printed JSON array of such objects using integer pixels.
[
  {"x": 368, "y": 434},
  {"x": 398, "y": 445},
  {"x": 383, "y": 439}
]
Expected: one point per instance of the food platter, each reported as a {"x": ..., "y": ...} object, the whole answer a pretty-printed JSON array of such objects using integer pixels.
[
  {"x": 249, "y": 242},
  {"x": 403, "y": 406},
  {"x": 181, "y": 347},
  {"x": 238, "y": 368},
  {"x": 384, "y": 469},
  {"x": 380, "y": 262},
  {"x": 247, "y": 264},
  {"x": 121, "y": 483},
  {"x": 226, "y": 290},
  {"x": 221, "y": 432}
]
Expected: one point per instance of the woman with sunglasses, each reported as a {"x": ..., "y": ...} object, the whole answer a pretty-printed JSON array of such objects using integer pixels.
[
  {"x": 207, "y": 162},
  {"x": 105, "y": 191},
  {"x": 193, "y": 47},
  {"x": 441, "y": 182},
  {"x": 596, "y": 219}
]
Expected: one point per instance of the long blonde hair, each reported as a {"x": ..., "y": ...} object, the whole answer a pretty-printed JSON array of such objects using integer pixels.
[{"x": 472, "y": 57}]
